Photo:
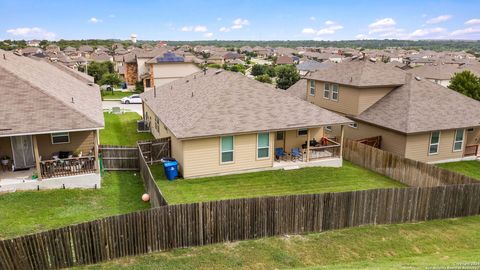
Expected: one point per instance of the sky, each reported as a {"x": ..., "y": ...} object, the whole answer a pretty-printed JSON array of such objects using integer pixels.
[{"x": 240, "y": 19}]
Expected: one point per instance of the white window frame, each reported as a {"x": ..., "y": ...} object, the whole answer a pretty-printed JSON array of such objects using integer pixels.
[
  {"x": 301, "y": 135},
  {"x": 353, "y": 125},
  {"x": 437, "y": 144},
  {"x": 334, "y": 90},
  {"x": 233, "y": 150},
  {"x": 268, "y": 146},
  {"x": 312, "y": 87},
  {"x": 462, "y": 141},
  {"x": 326, "y": 91},
  {"x": 60, "y": 134}
]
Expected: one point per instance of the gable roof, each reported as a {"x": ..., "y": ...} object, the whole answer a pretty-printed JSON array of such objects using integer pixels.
[
  {"x": 40, "y": 96},
  {"x": 299, "y": 89},
  {"x": 222, "y": 102},
  {"x": 444, "y": 71},
  {"x": 420, "y": 106},
  {"x": 360, "y": 73},
  {"x": 312, "y": 65}
]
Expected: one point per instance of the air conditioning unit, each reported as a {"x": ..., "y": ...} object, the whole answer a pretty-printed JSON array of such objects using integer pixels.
[{"x": 143, "y": 126}]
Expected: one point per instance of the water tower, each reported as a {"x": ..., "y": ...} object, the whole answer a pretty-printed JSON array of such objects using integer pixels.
[{"x": 133, "y": 38}]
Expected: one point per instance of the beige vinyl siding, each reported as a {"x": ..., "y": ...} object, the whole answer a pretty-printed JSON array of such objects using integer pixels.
[
  {"x": 177, "y": 152},
  {"x": 167, "y": 72},
  {"x": 391, "y": 141},
  {"x": 473, "y": 137},
  {"x": 351, "y": 100},
  {"x": 202, "y": 156},
  {"x": 162, "y": 131},
  {"x": 417, "y": 147},
  {"x": 82, "y": 141}
]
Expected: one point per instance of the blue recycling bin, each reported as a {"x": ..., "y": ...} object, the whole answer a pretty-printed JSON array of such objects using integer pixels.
[{"x": 171, "y": 169}]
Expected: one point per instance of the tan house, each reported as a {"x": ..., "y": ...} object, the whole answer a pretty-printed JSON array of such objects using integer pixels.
[
  {"x": 49, "y": 126},
  {"x": 168, "y": 67},
  {"x": 401, "y": 113},
  {"x": 222, "y": 122}
]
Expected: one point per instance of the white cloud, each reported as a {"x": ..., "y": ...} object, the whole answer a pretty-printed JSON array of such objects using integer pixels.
[
  {"x": 312, "y": 18},
  {"x": 240, "y": 23},
  {"x": 465, "y": 32},
  {"x": 32, "y": 32},
  {"x": 473, "y": 21},
  {"x": 224, "y": 29},
  {"x": 427, "y": 32},
  {"x": 187, "y": 29},
  {"x": 361, "y": 36},
  {"x": 382, "y": 23},
  {"x": 330, "y": 28},
  {"x": 330, "y": 22},
  {"x": 308, "y": 31},
  {"x": 94, "y": 20},
  {"x": 208, "y": 35},
  {"x": 200, "y": 28},
  {"x": 439, "y": 19}
]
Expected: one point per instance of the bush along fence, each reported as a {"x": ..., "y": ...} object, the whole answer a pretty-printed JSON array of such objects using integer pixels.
[
  {"x": 177, "y": 226},
  {"x": 409, "y": 172}
]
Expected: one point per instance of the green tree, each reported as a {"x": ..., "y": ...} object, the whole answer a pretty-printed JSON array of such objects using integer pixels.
[
  {"x": 263, "y": 78},
  {"x": 466, "y": 83},
  {"x": 258, "y": 70},
  {"x": 270, "y": 70},
  {"x": 287, "y": 75},
  {"x": 111, "y": 79},
  {"x": 97, "y": 69}
]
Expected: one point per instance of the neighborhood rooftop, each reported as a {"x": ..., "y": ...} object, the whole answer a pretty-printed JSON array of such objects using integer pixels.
[
  {"x": 421, "y": 105},
  {"x": 40, "y": 97},
  {"x": 222, "y": 102},
  {"x": 361, "y": 73}
]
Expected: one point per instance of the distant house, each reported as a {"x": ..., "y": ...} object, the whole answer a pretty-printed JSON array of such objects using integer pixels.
[
  {"x": 311, "y": 66},
  {"x": 407, "y": 115},
  {"x": 168, "y": 67},
  {"x": 50, "y": 126},
  {"x": 223, "y": 123},
  {"x": 442, "y": 73},
  {"x": 284, "y": 60},
  {"x": 85, "y": 50}
]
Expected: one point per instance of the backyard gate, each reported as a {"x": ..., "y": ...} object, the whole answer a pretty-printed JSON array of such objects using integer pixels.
[{"x": 154, "y": 150}]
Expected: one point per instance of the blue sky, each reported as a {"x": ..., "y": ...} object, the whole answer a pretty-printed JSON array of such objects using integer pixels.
[{"x": 232, "y": 20}]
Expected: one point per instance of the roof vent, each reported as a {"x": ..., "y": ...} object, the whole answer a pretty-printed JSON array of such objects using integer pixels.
[
  {"x": 192, "y": 94},
  {"x": 90, "y": 83},
  {"x": 205, "y": 71},
  {"x": 186, "y": 81},
  {"x": 73, "y": 101},
  {"x": 218, "y": 71},
  {"x": 4, "y": 57},
  {"x": 418, "y": 78}
]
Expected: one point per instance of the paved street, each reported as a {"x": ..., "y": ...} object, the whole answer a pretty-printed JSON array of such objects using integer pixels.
[{"x": 128, "y": 107}]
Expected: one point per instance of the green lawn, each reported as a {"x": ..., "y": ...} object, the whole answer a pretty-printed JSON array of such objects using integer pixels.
[
  {"x": 270, "y": 183},
  {"x": 115, "y": 94},
  {"x": 469, "y": 168},
  {"x": 405, "y": 246},
  {"x": 33, "y": 211},
  {"x": 121, "y": 129}
]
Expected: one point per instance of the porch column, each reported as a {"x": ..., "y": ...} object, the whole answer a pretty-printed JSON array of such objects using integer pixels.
[
  {"x": 341, "y": 140},
  {"x": 97, "y": 160},
  {"x": 37, "y": 157},
  {"x": 308, "y": 145}
]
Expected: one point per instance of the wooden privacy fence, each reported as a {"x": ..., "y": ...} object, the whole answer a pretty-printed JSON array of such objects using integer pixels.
[
  {"x": 187, "y": 225},
  {"x": 154, "y": 150},
  {"x": 410, "y": 172},
  {"x": 118, "y": 158},
  {"x": 151, "y": 187}
]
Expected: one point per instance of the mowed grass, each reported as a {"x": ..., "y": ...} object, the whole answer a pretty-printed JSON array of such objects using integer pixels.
[
  {"x": 403, "y": 246},
  {"x": 106, "y": 95},
  {"x": 121, "y": 129},
  {"x": 34, "y": 211},
  {"x": 469, "y": 168},
  {"x": 271, "y": 183}
]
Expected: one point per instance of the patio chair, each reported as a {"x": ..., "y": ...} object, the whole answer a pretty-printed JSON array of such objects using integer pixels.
[
  {"x": 280, "y": 153},
  {"x": 296, "y": 154},
  {"x": 116, "y": 110}
]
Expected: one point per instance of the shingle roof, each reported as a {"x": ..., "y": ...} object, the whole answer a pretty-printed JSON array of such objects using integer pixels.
[
  {"x": 443, "y": 71},
  {"x": 421, "y": 105},
  {"x": 40, "y": 97},
  {"x": 223, "y": 102},
  {"x": 299, "y": 89},
  {"x": 361, "y": 73},
  {"x": 312, "y": 65}
]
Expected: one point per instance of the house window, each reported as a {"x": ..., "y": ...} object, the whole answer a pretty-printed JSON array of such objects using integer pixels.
[
  {"x": 59, "y": 138},
  {"x": 335, "y": 92},
  {"x": 302, "y": 132},
  {"x": 326, "y": 91},
  {"x": 263, "y": 145},
  {"x": 458, "y": 143},
  {"x": 280, "y": 136},
  {"x": 353, "y": 125},
  {"x": 226, "y": 150},
  {"x": 157, "y": 124},
  {"x": 312, "y": 88},
  {"x": 434, "y": 143},
  {"x": 147, "y": 83},
  {"x": 328, "y": 128}
]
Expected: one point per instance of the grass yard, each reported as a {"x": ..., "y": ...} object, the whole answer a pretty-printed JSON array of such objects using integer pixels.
[
  {"x": 438, "y": 243},
  {"x": 469, "y": 168},
  {"x": 106, "y": 95},
  {"x": 271, "y": 183},
  {"x": 121, "y": 129},
  {"x": 34, "y": 211}
]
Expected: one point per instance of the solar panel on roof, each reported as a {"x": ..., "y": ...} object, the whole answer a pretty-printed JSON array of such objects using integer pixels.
[{"x": 170, "y": 57}]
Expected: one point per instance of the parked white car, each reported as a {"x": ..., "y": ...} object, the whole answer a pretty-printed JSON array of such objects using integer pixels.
[{"x": 133, "y": 99}]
